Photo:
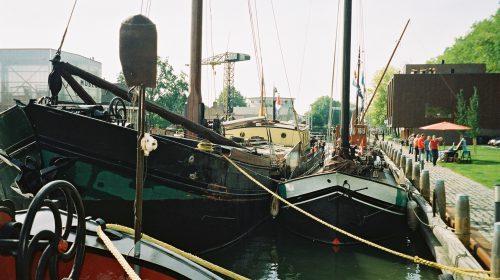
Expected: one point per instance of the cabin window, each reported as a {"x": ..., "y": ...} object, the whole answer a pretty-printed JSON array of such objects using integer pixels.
[
  {"x": 283, "y": 135},
  {"x": 242, "y": 134}
]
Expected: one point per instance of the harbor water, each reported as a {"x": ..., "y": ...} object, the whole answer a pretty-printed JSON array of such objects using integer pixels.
[{"x": 272, "y": 252}]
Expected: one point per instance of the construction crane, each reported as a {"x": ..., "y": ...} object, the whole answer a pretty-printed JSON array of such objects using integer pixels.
[{"x": 227, "y": 58}]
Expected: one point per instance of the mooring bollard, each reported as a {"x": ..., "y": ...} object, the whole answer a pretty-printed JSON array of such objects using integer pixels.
[
  {"x": 425, "y": 185},
  {"x": 416, "y": 176},
  {"x": 497, "y": 203},
  {"x": 422, "y": 165},
  {"x": 495, "y": 251},
  {"x": 439, "y": 199},
  {"x": 409, "y": 168},
  {"x": 462, "y": 219}
]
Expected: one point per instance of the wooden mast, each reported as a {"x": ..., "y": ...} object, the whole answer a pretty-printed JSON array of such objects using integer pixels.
[
  {"x": 346, "y": 76},
  {"x": 194, "y": 101}
]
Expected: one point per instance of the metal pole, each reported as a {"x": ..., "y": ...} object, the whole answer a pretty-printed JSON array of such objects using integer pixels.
[
  {"x": 346, "y": 71},
  {"x": 139, "y": 173}
]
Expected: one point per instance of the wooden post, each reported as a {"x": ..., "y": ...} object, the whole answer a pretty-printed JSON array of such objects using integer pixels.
[
  {"x": 398, "y": 158},
  {"x": 402, "y": 164},
  {"x": 462, "y": 219},
  {"x": 425, "y": 185},
  {"x": 416, "y": 175},
  {"x": 495, "y": 251},
  {"x": 439, "y": 199},
  {"x": 497, "y": 203},
  {"x": 409, "y": 168}
]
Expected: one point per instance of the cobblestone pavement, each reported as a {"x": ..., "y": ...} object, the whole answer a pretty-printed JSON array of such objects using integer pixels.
[{"x": 481, "y": 198}]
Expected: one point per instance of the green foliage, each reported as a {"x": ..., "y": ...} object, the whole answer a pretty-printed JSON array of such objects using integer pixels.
[
  {"x": 484, "y": 167},
  {"x": 377, "y": 113},
  {"x": 319, "y": 113},
  {"x": 461, "y": 113},
  {"x": 473, "y": 114},
  {"x": 235, "y": 100},
  {"x": 481, "y": 45},
  {"x": 171, "y": 92}
]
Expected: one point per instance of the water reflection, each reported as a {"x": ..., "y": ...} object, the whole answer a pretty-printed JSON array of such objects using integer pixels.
[{"x": 273, "y": 253}]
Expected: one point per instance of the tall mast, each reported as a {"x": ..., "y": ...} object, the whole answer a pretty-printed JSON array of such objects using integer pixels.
[
  {"x": 357, "y": 84},
  {"x": 194, "y": 109},
  {"x": 346, "y": 76}
]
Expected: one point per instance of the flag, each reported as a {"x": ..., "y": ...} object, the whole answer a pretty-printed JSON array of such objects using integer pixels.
[
  {"x": 355, "y": 79},
  {"x": 278, "y": 102}
]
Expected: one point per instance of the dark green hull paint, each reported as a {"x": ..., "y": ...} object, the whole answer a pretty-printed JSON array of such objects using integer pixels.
[{"x": 216, "y": 206}]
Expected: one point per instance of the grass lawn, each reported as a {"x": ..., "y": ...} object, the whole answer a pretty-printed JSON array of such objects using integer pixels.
[{"x": 485, "y": 166}]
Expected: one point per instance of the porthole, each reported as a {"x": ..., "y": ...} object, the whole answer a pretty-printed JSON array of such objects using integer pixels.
[
  {"x": 242, "y": 134},
  {"x": 283, "y": 135},
  {"x": 329, "y": 181}
]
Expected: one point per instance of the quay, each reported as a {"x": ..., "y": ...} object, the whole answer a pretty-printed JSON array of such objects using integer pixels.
[{"x": 481, "y": 199}]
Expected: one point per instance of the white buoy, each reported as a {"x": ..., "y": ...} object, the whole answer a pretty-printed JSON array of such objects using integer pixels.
[{"x": 411, "y": 213}]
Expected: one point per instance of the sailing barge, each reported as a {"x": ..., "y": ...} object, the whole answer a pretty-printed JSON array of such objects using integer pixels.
[
  {"x": 355, "y": 193},
  {"x": 193, "y": 197}
]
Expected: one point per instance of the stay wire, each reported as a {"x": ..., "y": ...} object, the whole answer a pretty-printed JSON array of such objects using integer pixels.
[
  {"x": 66, "y": 30},
  {"x": 330, "y": 111},
  {"x": 305, "y": 47}
]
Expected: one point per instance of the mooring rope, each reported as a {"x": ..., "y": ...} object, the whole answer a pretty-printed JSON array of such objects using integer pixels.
[
  {"x": 187, "y": 255},
  {"x": 415, "y": 259},
  {"x": 118, "y": 256}
]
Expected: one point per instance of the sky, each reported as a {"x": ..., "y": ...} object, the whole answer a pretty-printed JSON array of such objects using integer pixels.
[{"x": 297, "y": 51}]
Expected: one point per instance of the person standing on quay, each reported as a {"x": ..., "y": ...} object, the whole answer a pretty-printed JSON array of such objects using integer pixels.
[
  {"x": 434, "y": 144},
  {"x": 428, "y": 156},
  {"x": 415, "y": 146},
  {"x": 410, "y": 143},
  {"x": 421, "y": 146}
]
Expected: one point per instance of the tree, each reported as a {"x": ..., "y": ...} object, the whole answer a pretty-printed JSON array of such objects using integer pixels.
[
  {"x": 377, "y": 113},
  {"x": 319, "y": 113},
  {"x": 235, "y": 100},
  {"x": 473, "y": 116},
  {"x": 171, "y": 92},
  {"x": 461, "y": 113},
  {"x": 480, "y": 45}
]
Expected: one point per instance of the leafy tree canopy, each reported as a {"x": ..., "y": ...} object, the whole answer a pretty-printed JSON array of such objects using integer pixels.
[
  {"x": 480, "y": 45},
  {"x": 377, "y": 112},
  {"x": 171, "y": 92},
  {"x": 235, "y": 100},
  {"x": 319, "y": 113}
]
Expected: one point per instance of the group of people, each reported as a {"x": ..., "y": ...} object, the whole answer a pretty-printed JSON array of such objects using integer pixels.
[{"x": 428, "y": 146}]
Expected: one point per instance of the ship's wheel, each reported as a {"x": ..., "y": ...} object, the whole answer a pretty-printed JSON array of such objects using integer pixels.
[{"x": 54, "y": 244}]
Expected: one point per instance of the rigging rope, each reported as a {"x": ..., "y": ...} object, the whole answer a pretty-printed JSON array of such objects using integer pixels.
[
  {"x": 304, "y": 49},
  {"x": 415, "y": 259},
  {"x": 330, "y": 111},
  {"x": 284, "y": 67},
  {"x": 66, "y": 30}
]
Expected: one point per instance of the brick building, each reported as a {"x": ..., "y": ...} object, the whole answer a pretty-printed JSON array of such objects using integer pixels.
[{"x": 426, "y": 94}]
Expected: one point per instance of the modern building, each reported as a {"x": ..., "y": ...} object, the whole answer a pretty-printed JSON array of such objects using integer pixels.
[
  {"x": 24, "y": 75},
  {"x": 284, "y": 113},
  {"x": 426, "y": 94}
]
